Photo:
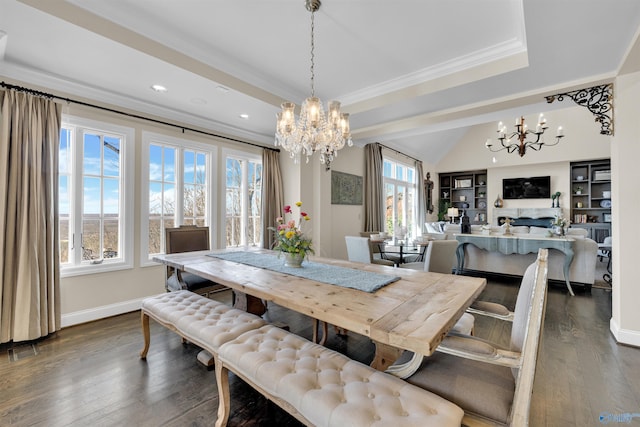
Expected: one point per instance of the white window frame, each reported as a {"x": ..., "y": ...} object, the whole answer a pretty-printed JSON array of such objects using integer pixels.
[
  {"x": 126, "y": 190},
  {"x": 408, "y": 185},
  {"x": 242, "y": 156},
  {"x": 180, "y": 144}
]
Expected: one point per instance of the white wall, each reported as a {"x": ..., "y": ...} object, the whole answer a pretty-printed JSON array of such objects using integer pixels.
[{"x": 625, "y": 321}]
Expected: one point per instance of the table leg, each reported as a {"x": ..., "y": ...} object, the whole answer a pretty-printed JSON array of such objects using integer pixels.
[
  {"x": 568, "y": 258},
  {"x": 385, "y": 356},
  {"x": 249, "y": 303}
]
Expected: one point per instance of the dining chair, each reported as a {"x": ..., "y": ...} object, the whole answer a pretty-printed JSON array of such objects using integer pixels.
[
  {"x": 360, "y": 249},
  {"x": 489, "y": 382},
  {"x": 440, "y": 257},
  {"x": 187, "y": 238}
]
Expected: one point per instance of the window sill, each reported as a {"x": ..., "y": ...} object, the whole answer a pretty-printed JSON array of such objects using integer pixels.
[{"x": 85, "y": 269}]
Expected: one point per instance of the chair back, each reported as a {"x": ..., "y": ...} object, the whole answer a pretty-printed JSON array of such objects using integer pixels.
[
  {"x": 358, "y": 249},
  {"x": 440, "y": 256},
  {"x": 186, "y": 238}
]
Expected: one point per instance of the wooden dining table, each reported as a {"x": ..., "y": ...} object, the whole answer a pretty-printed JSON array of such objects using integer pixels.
[{"x": 413, "y": 313}]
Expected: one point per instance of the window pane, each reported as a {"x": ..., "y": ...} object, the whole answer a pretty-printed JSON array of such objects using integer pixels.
[
  {"x": 201, "y": 168},
  {"x": 400, "y": 173},
  {"x": 91, "y": 196},
  {"x": 155, "y": 163},
  {"x": 111, "y": 156},
  {"x": 111, "y": 198},
  {"x": 155, "y": 228},
  {"x": 169, "y": 170},
  {"x": 200, "y": 200},
  {"x": 169, "y": 199},
  {"x": 155, "y": 198},
  {"x": 91, "y": 164},
  {"x": 189, "y": 167},
  {"x": 90, "y": 239},
  {"x": 188, "y": 200},
  {"x": 389, "y": 211},
  {"x": 387, "y": 169},
  {"x": 234, "y": 173},
  {"x": 64, "y": 238},
  {"x": 111, "y": 241},
  {"x": 64, "y": 152}
]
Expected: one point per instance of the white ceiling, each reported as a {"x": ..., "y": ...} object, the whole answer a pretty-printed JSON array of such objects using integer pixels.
[{"x": 414, "y": 74}]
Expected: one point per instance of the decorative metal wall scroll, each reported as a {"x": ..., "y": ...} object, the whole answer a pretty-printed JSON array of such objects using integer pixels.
[{"x": 598, "y": 99}]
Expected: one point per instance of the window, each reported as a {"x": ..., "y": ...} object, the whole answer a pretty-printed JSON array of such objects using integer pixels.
[
  {"x": 243, "y": 200},
  {"x": 400, "y": 198},
  {"x": 95, "y": 196},
  {"x": 177, "y": 178}
]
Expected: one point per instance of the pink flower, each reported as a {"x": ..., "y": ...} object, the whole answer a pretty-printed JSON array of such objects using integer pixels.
[
  {"x": 287, "y": 209},
  {"x": 302, "y": 214}
]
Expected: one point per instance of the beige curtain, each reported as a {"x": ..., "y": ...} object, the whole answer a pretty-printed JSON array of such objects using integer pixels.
[
  {"x": 373, "y": 189},
  {"x": 30, "y": 283},
  {"x": 272, "y": 195},
  {"x": 422, "y": 198}
]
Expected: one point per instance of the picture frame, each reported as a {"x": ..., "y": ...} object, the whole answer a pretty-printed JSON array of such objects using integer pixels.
[
  {"x": 606, "y": 217},
  {"x": 346, "y": 189},
  {"x": 462, "y": 183}
]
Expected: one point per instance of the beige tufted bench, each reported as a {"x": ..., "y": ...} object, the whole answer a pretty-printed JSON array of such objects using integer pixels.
[
  {"x": 321, "y": 387},
  {"x": 204, "y": 322}
]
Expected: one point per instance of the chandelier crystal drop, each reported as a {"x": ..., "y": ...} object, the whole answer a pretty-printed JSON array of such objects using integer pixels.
[
  {"x": 313, "y": 131},
  {"x": 520, "y": 135}
]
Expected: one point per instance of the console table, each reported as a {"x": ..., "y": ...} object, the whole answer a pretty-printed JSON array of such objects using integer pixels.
[{"x": 517, "y": 245}]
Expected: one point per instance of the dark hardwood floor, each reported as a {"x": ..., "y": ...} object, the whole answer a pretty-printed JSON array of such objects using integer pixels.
[{"x": 91, "y": 375}]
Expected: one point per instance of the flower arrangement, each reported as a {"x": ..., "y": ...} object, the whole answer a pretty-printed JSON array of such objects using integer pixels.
[
  {"x": 559, "y": 221},
  {"x": 289, "y": 236}
]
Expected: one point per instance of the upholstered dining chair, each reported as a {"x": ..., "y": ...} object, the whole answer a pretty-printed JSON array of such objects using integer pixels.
[
  {"x": 360, "y": 249},
  {"x": 489, "y": 382},
  {"x": 439, "y": 258},
  {"x": 187, "y": 238}
]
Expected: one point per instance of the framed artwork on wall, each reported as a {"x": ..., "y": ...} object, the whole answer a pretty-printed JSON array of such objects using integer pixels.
[{"x": 346, "y": 189}]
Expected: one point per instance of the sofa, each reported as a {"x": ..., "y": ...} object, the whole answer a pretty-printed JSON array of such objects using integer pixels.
[{"x": 581, "y": 272}]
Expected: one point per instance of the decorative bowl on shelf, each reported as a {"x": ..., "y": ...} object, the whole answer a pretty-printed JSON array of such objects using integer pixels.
[
  {"x": 482, "y": 204},
  {"x": 580, "y": 178},
  {"x": 605, "y": 203}
]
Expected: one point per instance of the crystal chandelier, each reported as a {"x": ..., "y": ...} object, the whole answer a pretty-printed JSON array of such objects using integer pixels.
[
  {"x": 313, "y": 131},
  {"x": 521, "y": 144}
]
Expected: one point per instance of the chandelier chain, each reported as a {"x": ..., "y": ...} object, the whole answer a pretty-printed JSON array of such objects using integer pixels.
[{"x": 313, "y": 45}]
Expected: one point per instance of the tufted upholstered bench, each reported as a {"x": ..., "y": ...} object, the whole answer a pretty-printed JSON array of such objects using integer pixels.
[
  {"x": 321, "y": 387},
  {"x": 204, "y": 322}
]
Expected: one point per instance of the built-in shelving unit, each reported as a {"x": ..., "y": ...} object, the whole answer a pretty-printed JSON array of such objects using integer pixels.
[
  {"x": 591, "y": 197},
  {"x": 466, "y": 191}
]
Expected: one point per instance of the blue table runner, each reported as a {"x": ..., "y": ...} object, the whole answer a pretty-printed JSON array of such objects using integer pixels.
[{"x": 340, "y": 276}]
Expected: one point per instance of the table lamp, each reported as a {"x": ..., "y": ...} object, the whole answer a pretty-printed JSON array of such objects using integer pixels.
[{"x": 452, "y": 213}]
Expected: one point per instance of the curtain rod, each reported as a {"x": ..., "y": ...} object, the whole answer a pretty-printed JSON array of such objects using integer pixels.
[
  {"x": 136, "y": 116},
  {"x": 398, "y": 152}
]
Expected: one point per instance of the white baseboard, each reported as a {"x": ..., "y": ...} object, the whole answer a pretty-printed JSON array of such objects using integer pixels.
[
  {"x": 89, "y": 315},
  {"x": 624, "y": 336}
]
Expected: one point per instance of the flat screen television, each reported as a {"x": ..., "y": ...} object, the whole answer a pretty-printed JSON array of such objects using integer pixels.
[{"x": 537, "y": 187}]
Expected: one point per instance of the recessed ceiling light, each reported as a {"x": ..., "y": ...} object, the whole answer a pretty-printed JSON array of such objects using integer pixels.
[
  {"x": 244, "y": 116},
  {"x": 223, "y": 89},
  {"x": 159, "y": 88},
  {"x": 198, "y": 101}
]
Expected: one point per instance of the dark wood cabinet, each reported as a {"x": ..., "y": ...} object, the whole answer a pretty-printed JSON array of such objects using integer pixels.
[
  {"x": 591, "y": 197},
  {"x": 467, "y": 191}
]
